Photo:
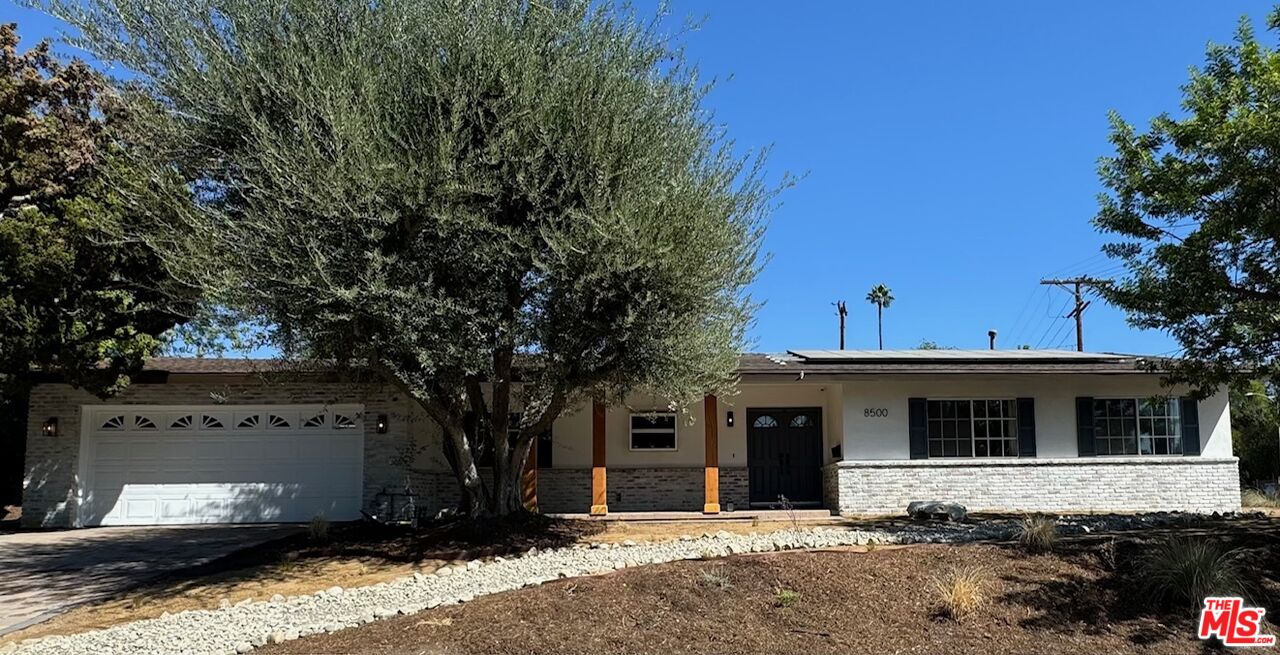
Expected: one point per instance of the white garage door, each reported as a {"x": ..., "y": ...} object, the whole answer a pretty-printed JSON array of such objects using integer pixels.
[{"x": 170, "y": 465}]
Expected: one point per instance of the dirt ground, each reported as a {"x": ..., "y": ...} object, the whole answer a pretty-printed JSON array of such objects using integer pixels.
[
  {"x": 876, "y": 602},
  {"x": 355, "y": 555}
]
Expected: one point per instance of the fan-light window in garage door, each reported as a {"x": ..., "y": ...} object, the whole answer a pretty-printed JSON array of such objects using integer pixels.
[{"x": 149, "y": 465}]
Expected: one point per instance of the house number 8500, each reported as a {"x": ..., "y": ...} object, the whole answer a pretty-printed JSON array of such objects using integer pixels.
[{"x": 875, "y": 412}]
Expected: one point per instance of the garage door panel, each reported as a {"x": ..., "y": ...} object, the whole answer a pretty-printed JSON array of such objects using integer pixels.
[{"x": 181, "y": 465}]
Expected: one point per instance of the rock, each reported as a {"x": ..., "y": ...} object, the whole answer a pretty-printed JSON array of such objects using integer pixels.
[
  {"x": 243, "y": 647},
  {"x": 333, "y": 627},
  {"x": 444, "y": 571},
  {"x": 225, "y": 603},
  {"x": 277, "y": 637},
  {"x": 334, "y": 590},
  {"x": 474, "y": 564},
  {"x": 936, "y": 510},
  {"x": 383, "y": 613},
  {"x": 628, "y": 543},
  {"x": 277, "y": 598},
  {"x": 418, "y": 576}
]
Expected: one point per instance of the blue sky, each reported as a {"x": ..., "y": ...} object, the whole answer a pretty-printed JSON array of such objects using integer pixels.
[{"x": 949, "y": 151}]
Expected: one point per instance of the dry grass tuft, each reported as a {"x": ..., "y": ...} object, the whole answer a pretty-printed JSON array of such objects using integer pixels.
[
  {"x": 961, "y": 591},
  {"x": 1255, "y": 498},
  {"x": 716, "y": 578},
  {"x": 318, "y": 530},
  {"x": 1038, "y": 533}
]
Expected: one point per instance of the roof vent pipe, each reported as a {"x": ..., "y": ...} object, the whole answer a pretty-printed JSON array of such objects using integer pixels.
[{"x": 991, "y": 335}]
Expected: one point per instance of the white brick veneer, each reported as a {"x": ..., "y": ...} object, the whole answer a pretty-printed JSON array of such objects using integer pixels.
[{"x": 1091, "y": 484}]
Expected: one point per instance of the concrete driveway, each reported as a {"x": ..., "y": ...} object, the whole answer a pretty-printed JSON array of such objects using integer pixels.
[{"x": 43, "y": 573}]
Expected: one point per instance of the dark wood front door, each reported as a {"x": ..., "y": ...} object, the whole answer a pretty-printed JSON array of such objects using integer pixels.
[{"x": 784, "y": 454}]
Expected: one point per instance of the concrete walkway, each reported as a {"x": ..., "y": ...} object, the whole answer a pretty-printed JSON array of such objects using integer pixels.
[{"x": 44, "y": 573}]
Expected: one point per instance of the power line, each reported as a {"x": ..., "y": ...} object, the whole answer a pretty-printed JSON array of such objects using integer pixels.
[
  {"x": 1054, "y": 323},
  {"x": 1077, "y": 285}
]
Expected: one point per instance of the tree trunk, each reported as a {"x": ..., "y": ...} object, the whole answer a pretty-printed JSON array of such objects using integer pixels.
[
  {"x": 475, "y": 501},
  {"x": 880, "y": 324}
]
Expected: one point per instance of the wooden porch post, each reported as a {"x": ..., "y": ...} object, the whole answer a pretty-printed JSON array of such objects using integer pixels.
[
  {"x": 711, "y": 427},
  {"x": 599, "y": 492},
  {"x": 529, "y": 480}
]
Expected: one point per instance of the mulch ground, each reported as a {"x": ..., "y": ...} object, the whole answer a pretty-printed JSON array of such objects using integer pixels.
[{"x": 881, "y": 602}]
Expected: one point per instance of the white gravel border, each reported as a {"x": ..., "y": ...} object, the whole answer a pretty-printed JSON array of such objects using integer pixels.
[{"x": 242, "y": 627}]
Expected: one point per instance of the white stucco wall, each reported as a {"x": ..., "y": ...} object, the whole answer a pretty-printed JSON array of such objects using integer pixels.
[
  {"x": 885, "y": 438},
  {"x": 572, "y": 431}
]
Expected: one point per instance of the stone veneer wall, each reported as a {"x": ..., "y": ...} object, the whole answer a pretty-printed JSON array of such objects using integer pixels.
[
  {"x": 52, "y": 463},
  {"x": 639, "y": 489},
  {"x": 1093, "y": 484},
  {"x": 568, "y": 491}
]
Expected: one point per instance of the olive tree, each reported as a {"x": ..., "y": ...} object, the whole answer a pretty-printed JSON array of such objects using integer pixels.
[{"x": 493, "y": 203}]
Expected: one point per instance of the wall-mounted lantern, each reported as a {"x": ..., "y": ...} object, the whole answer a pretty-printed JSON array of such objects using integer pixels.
[
  {"x": 50, "y": 427},
  {"x": 729, "y": 418},
  {"x": 382, "y": 424}
]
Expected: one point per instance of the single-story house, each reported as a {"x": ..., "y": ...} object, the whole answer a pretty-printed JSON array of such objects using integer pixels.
[{"x": 855, "y": 432}]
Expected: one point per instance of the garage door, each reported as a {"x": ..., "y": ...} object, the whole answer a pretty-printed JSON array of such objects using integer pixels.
[{"x": 171, "y": 465}]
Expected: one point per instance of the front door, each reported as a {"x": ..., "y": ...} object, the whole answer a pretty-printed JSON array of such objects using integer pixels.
[{"x": 784, "y": 455}]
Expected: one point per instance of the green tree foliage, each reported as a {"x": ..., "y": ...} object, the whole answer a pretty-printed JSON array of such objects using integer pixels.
[
  {"x": 1192, "y": 204},
  {"x": 76, "y": 299},
  {"x": 1255, "y": 439},
  {"x": 880, "y": 296},
  {"x": 527, "y": 195}
]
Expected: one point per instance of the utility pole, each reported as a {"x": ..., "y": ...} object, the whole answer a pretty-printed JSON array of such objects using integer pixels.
[
  {"x": 840, "y": 309},
  {"x": 1077, "y": 312}
]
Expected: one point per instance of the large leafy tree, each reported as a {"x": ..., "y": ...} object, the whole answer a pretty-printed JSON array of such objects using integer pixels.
[
  {"x": 1255, "y": 439},
  {"x": 498, "y": 205},
  {"x": 1193, "y": 205},
  {"x": 76, "y": 300}
]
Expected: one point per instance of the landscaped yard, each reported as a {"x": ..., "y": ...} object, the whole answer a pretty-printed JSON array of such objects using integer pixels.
[
  {"x": 1085, "y": 596},
  {"x": 351, "y": 555},
  {"x": 844, "y": 602}
]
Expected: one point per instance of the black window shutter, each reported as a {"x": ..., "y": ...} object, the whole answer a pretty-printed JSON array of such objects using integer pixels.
[
  {"x": 1084, "y": 426},
  {"x": 1026, "y": 427},
  {"x": 1190, "y": 426},
  {"x": 918, "y": 427}
]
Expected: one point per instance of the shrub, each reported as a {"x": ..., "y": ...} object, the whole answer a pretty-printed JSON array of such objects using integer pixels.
[
  {"x": 318, "y": 530},
  {"x": 1256, "y": 498},
  {"x": 1038, "y": 533},
  {"x": 1107, "y": 555},
  {"x": 716, "y": 578},
  {"x": 961, "y": 591},
  {"x": 1188, "y": 570},
  {"x": 785, "y": 597}
]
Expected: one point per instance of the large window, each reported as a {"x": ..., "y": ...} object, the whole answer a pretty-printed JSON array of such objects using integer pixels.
[
  {"x": 1137, "y": 426},
  {"x": 653, "y": 431},
  {"x": 973, "y": 428}
]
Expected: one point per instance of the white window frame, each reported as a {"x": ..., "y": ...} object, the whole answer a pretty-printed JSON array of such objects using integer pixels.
[
  {"x": 632, "y": 431},
  {"x": 973, "y": 440},
  {"x": 1175, "y": 421}
]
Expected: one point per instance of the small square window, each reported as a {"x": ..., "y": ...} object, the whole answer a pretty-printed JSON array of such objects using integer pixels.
[{"x": 653, "y": 431}]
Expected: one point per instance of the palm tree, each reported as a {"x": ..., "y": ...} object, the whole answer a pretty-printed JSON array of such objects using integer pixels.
[{"x": 880, "y": 296}]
